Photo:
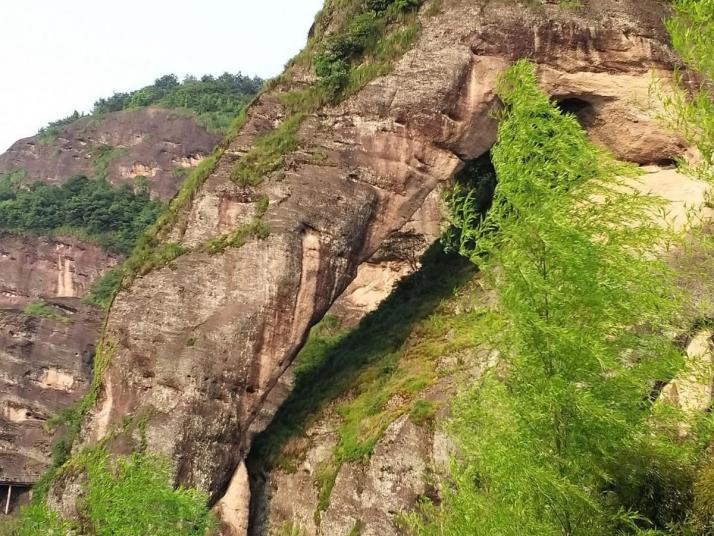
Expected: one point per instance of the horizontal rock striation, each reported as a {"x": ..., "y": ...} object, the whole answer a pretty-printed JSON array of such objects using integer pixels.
[{"x": 45, "y": 361}]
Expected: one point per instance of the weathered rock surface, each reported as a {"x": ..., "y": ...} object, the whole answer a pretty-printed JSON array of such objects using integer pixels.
[
  {"x": 202, "y": 341},
  {"x": 152, "y": 142},
  {"x": 367, "y": 495},
  {"x": 45, "y": 362},
  {"x": 45, "y": 366},
  {"x": 33, "y": 267}
]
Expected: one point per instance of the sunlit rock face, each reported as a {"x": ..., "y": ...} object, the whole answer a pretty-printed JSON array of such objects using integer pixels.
[
  {"x": 154, "y": 143},
  {"x": 46, "y": 361},
  {"x": 199, "y": 344}
]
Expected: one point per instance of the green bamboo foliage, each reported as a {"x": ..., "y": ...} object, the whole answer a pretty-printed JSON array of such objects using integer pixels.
[
  {"x": 568, "y": 246},
  {"x": 689, "y": 105}
]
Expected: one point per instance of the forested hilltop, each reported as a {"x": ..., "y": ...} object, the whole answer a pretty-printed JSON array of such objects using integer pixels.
[
  {"x": 216, "y": 101},
  {"x": 516, "y": 200}
]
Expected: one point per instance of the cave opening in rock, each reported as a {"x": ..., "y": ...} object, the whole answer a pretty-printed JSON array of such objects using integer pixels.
[
  {"x": 469, "y": 199},
  {"x": 583, "y": 110}
]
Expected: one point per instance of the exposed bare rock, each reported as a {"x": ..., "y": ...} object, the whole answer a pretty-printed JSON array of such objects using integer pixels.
[
  {"x": 233, "y": 508},
  {"x": 397, "y": 257},
  {"x": 33, "y": 267},
  {"x": 202, "y": 341},
  {"x": 46, "y": 362},
  {"x": 369, "y": 495},
  {"x": 45, "y": 366},
  {"x": 692, "y": 392},
  {"x": 151, "y": 142},
  {"x": 688, "y": 198}
]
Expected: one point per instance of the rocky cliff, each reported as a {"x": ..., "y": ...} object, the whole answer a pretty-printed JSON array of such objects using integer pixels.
[
  {"x": 154, "y": 143},
  {"x": 197, "y": 345},
  {"x": 47, "y": 334}
]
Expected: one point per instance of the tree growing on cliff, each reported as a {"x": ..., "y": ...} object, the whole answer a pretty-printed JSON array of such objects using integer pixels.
[{"x": 567, "y": 245}]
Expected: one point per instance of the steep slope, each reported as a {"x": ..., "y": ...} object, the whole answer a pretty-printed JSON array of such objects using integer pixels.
[
  {"x": 361, "y": 440},
  {"x": 296, "y": 202},
  {"x": 47, "y": 333}
]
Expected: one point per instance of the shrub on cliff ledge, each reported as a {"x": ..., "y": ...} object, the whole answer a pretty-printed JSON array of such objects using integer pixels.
[
  {"x": 340, "y": 53},
  {"x": 90, "y": 208}
]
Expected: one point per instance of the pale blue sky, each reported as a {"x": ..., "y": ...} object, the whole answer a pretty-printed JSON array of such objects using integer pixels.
[{"x": 60, "y": 55}]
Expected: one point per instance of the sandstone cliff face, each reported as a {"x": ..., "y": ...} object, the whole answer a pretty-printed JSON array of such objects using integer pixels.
[
  {"x": 200, "y": 343},
  {"x": 45, "y": 361},
  {"x": 152, "y": 142},
  {"x": 411, "y": 457},
  {"x": 45, "y": 366},
  {"x": 34, "y": 267}
]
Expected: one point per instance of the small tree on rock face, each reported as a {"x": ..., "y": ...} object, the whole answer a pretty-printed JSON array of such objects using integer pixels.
[{"x": 567, "y": 245}]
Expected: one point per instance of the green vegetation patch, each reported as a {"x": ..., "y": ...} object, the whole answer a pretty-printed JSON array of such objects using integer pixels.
[
  {"x": 376, "y": 33},
  {"x": 371, "y": 375},
  {"x": 10, "y": 182},
  {"x": 689, "y": 105},
  {"x": 567, "y": 437},
  {"x": 372, "y": 36},
  {"x": 268, "y": 152},
  {"x": 104, "y": 155},
  {"x": 88, "y": 208},
  {"x": 49, "y": 133},
  {"x": 214, "y": 101},
  {"x": 103, "y": 289},
  {"x": 42, "y": 309},
  {"x": 236, "y": 238},
  {"x": 125, "y": 496}
]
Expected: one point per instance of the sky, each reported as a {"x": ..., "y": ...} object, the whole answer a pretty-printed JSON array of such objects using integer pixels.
[{"x": 61, "y": 56}]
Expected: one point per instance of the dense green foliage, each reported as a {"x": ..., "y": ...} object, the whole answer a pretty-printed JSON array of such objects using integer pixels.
[
  {"x": 468, "y": 202},
  {"x": 91, "y": 208},
  {"x": 562, "y": 440},
  {"x": 127, "y": 496},
  {"x": 10, "y": 182},
  {"x": 216, "y": 100},
  {"x": 690, "y": 105}
]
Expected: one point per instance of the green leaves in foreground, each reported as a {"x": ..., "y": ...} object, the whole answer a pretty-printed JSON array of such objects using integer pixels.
[
  {"x": 567, "y": 246},
  {"x": 128, "y": 496}
]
